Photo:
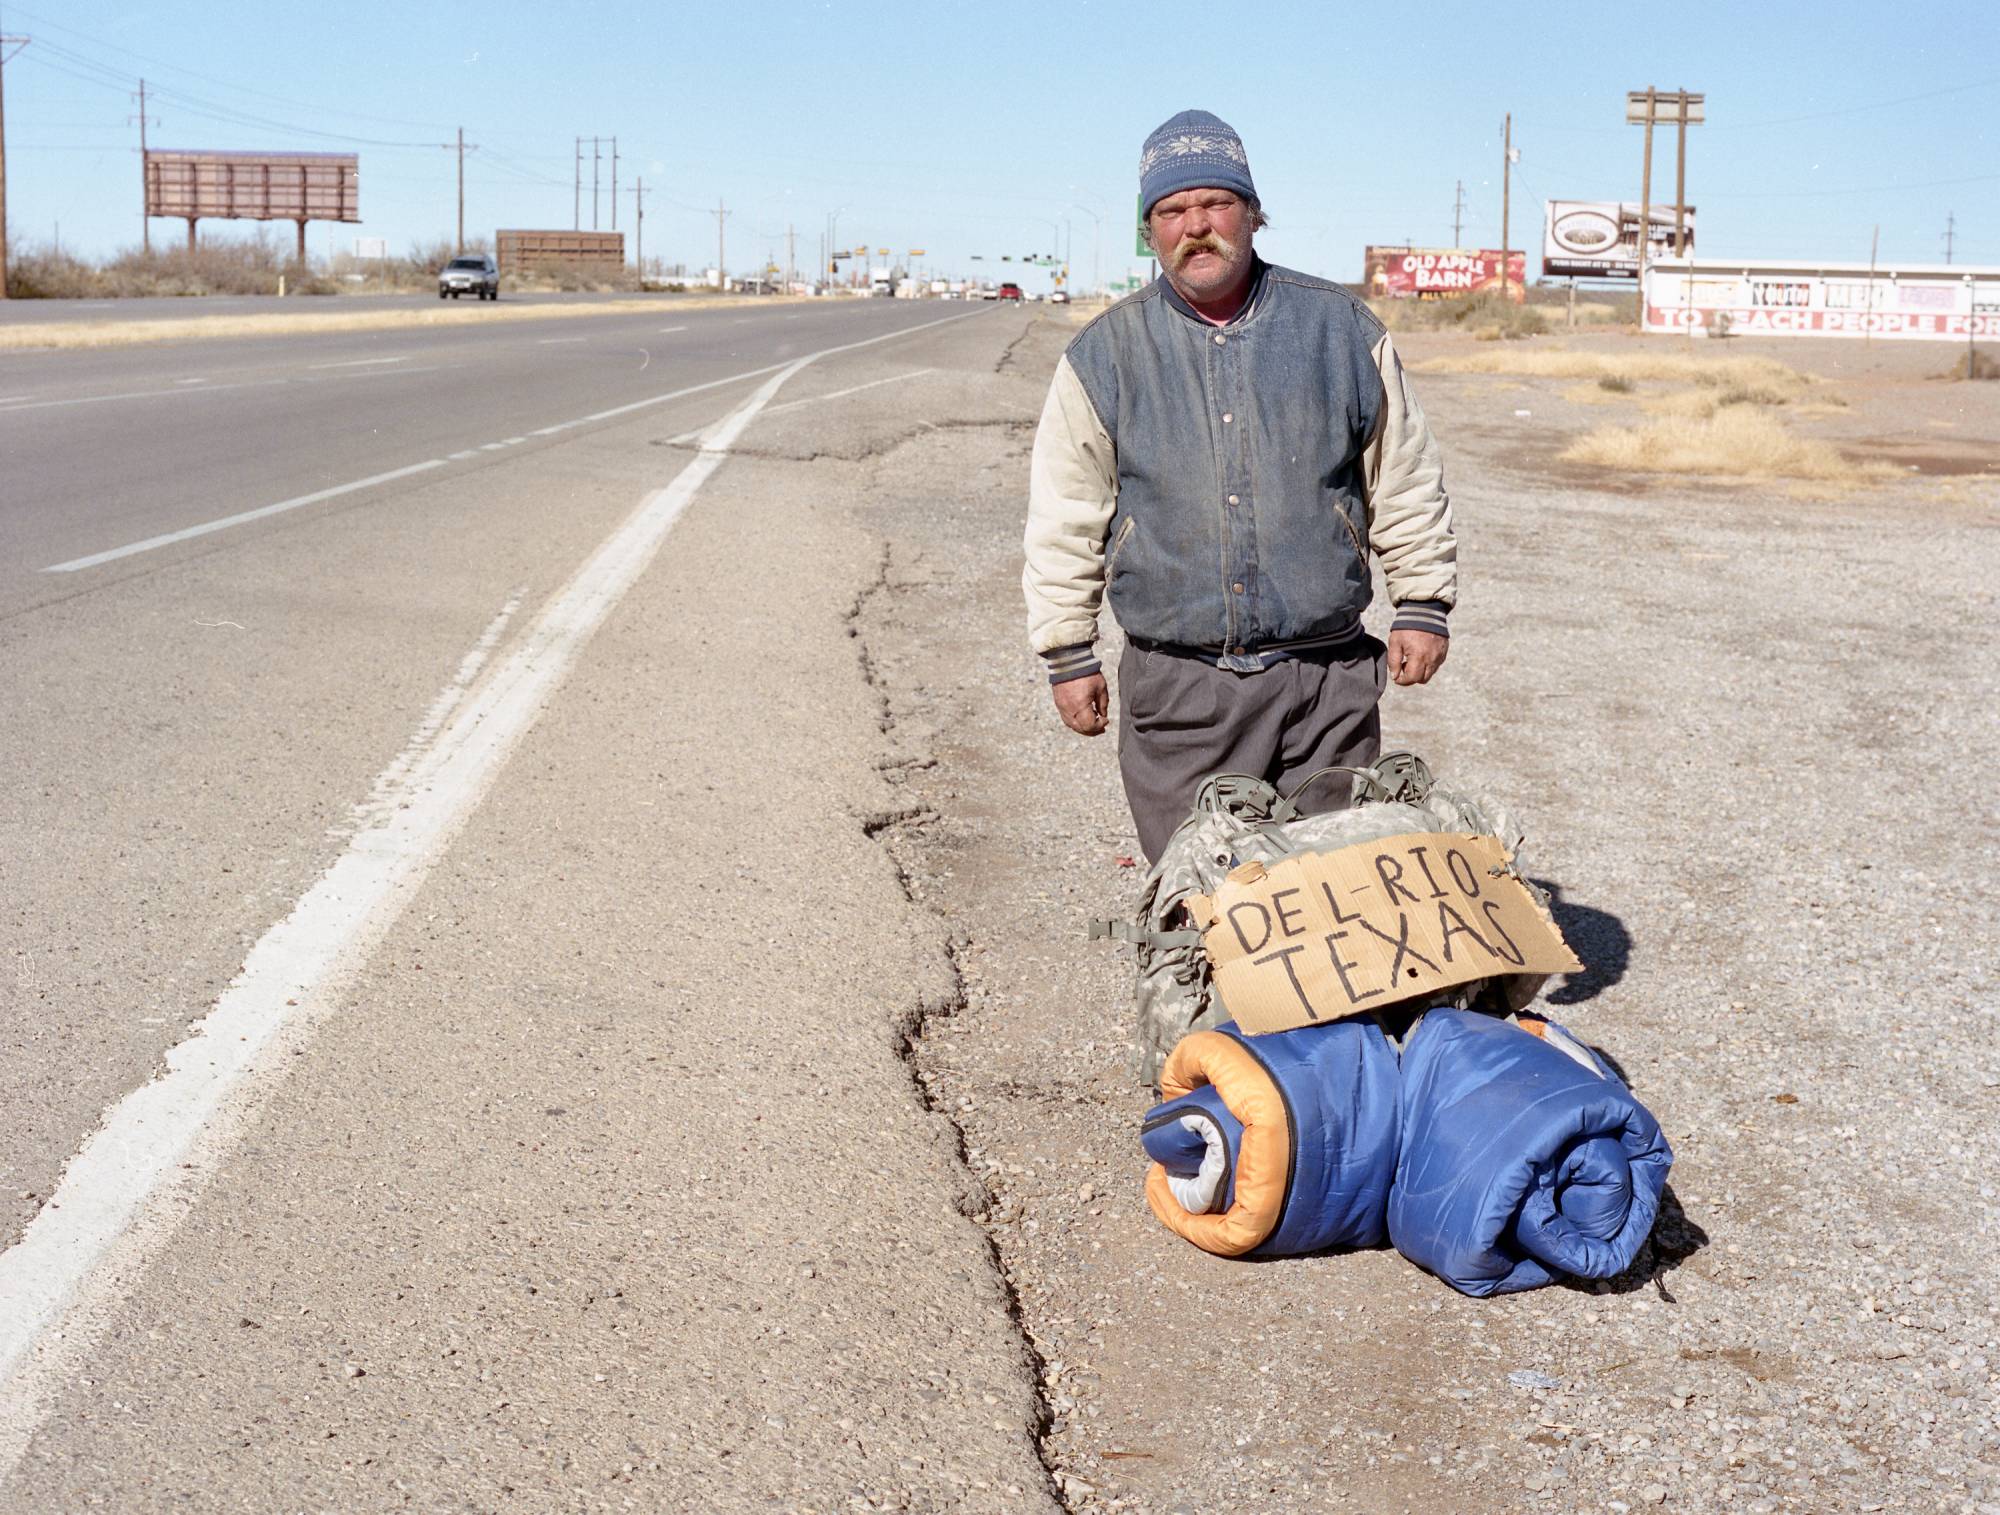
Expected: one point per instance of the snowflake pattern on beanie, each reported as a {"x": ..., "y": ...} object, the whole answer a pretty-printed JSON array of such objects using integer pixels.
[{"x": 1193, "y": 150}]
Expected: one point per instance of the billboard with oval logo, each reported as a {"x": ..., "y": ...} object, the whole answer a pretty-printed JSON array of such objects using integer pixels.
[{"x": 1599, "y": 239}]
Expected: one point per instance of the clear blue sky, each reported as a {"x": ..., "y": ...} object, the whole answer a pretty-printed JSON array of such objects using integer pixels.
[{"x": 966, "y": 130}]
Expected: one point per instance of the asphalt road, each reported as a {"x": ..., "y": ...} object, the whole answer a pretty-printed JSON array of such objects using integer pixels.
[
  {"x": 197, "y": 308},
  {"x": 440, "y": 915}
]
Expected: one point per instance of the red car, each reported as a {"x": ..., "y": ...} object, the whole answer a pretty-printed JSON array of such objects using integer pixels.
[{"x": 1009, "y": 292}]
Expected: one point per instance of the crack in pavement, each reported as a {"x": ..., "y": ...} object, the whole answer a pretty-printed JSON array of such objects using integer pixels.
[{"x": 977, "y": 1201}]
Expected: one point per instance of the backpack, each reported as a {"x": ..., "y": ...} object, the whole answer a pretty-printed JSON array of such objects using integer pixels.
[{"x": 1237, "y": 818}]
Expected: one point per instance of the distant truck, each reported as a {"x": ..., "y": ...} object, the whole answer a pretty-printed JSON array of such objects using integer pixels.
[{"x": 882, "y": 281}]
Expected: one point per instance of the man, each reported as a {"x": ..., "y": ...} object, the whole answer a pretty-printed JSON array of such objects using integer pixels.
[{"x": 1222, "y": 452}]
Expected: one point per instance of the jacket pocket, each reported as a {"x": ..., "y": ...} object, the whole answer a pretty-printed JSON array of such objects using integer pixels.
[
  {"x": 1118, "y": 546},
  {"x": 1353, "y": 534}
]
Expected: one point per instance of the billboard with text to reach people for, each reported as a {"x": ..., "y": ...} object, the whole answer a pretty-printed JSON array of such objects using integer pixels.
[{"x": 1921, "y": 302}]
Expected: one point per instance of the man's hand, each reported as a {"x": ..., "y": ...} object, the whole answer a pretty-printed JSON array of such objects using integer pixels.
[
  {"x": 1415, "y": 655},
  {"x": 1085, "y": 704}
]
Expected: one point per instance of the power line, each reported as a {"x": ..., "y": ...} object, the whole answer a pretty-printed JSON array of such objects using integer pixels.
[
  {"x": 224, "y": 83},
  {"x": 1863, "y": 189}
]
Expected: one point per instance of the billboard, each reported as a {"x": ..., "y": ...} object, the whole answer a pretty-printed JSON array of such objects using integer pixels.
[
  {"x": 518, "y": 249},
  {"x": 253, "y": 186},
  {"x": 1440, "y": 273},
  {"x": 1936, "y": 302},
  {"x": 1599, "y": 239}
]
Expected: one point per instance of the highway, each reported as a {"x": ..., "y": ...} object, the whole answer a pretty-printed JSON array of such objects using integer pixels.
[{"x": 375, "y": 703}]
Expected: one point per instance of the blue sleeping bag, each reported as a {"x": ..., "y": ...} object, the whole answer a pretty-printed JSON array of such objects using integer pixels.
[
  {"x": 1276, "y": 1144},
  {"x": 1523, "y": 1157}
]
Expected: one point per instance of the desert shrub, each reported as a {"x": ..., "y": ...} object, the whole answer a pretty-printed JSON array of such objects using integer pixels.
[{"x": 1740, "y": 442}]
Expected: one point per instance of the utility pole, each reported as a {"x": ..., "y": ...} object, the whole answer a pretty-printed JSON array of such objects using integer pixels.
[
  {"x": 1506, "y": 189},
  {"x": 1458, "y": 216},
  {"x": 576, "y": 223},
  {"x": 791, "y": 262},
  {"x": 146, "y": 221},
  {"x": 614, "y": 184},
  {"x": 1950, "y": 225},
  {"x": 1874, "y": 246},
  {"x": 595, "y": 158},
  {"x": 639, "y": 227},
  {"x": 462, "y": 150},
  {"x": 1646, "y": 199},
  {"x": 17, "y": 43},
  {"x": 1681, "y": 174},
  {"x": 721, "y": 268}
]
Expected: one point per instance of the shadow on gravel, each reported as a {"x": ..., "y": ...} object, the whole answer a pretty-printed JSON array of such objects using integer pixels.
[
  {"x": 1598, "y": 937},
  {"x": 1676, "y": 1237}
]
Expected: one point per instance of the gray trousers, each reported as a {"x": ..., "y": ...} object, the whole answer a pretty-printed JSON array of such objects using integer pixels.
[{"x": 1180, "y": 719}]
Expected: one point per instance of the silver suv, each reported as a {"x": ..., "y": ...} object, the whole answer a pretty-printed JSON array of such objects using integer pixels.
[{"x": 473, "y": 274}]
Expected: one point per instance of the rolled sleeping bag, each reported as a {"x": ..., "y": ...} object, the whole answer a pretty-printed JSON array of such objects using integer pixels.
[
  {"x": 1523, "y": 1157},
  {"x": 1275, "y": 1144}
]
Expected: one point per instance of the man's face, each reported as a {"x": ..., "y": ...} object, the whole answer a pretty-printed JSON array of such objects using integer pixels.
[{"x": 1203, "y": 237}]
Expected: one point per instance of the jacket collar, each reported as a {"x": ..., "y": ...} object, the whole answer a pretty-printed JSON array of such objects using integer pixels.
[{"x": 1251, "y": 300}]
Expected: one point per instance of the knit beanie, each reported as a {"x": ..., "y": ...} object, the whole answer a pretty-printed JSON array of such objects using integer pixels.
[{"x": 1193, "y": 150}]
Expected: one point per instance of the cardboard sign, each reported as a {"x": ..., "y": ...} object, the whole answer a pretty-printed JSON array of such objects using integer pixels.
[{"x": 1329, "y": 934}]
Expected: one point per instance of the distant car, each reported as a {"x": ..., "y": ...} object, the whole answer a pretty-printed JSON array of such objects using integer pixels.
[
  {"x": 1008, "y": 292},
  {"x": 473, "y": 274},
  {"x": 1058, "y": 297}
]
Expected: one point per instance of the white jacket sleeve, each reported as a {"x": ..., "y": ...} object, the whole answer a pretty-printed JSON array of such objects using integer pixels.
[
  {"x": 1072, "y": 490},
  {"x": 1409, "y": 510}
]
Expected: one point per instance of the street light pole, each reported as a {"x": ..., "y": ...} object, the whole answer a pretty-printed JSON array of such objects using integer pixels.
[{"x": 1096, "y": 240}]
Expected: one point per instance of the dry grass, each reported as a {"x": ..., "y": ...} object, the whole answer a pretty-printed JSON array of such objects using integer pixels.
[
  {"x": 1740, "y": 442},
  {"x": 246, "y": 266},
  {"x": 67, "y": 335},
  {"x": 1488, "y": 317},
  {"x": 1748, "y": 375}
]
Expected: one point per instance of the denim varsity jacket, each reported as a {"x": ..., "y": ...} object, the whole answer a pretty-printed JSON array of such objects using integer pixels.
[{"x": 1226, "y": 485}]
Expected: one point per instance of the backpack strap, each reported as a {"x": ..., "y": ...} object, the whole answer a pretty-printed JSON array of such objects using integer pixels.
[
  {"x": 1238, "y": 794},
  {"x": 1393, "y": 777},
  {"x": 1133, "y": 932},
  {"x": 1288, "y": 805}
]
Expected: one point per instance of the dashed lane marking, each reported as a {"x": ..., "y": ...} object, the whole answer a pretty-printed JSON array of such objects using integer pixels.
[{"x": 363, "y": 362}]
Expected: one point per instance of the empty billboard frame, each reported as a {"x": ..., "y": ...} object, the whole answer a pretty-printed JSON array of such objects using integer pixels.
[{"x": 297, "y": 187}]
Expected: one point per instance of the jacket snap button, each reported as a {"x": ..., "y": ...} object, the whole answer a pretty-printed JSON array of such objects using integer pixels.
[
  {"x": 1220, "y": 339},
  {"x": 1238, "y": 588},
  {"x": 1227, "y": 418},
  {"x": 1233, "y": 500}
]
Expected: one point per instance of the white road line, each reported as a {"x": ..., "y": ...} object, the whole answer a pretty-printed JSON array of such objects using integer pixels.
[
  {"x": 190, "y": 381},
  {"x": 12, "y": 399},
  {"x": 491, "y": 446},
  {"x": 168, "y": 538},
  {"x": 143, "y": 394},
  {"x": 57, "y": 1281},
  {"x": 513, "y": 441},
  {"x": 558, "y": 341},
  {"x": 665, "y": 329},
  {"x": 362, "y": 362},
  {"x": 839, "y": 394}
]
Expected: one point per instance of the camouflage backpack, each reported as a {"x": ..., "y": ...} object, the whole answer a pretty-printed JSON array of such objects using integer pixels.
[{"x": 1237, "y": 818}]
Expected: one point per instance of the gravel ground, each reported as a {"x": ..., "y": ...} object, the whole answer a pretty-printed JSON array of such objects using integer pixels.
[{"x": 1750, "y": 732}]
